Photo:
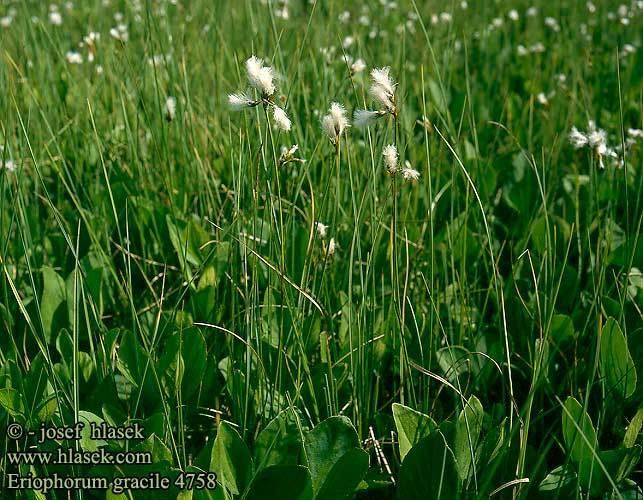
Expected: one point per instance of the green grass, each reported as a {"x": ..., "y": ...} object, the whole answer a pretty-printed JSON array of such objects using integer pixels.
[{"x": 480, "y": 329}]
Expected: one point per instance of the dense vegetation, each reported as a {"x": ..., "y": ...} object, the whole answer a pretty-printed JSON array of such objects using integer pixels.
[{"x": 442, "y": 299}]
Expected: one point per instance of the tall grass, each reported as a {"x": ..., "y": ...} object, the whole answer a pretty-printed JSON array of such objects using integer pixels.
[{"x": 171, "y": 272}]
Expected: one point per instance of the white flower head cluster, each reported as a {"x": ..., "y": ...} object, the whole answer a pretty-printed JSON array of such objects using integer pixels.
[
  {"x": 392, "y": 160},
  {"x": 409, "y": 173},
  {"x": 55, "y": 17},
  {"x": 322, "y": 229},
  {"x": 74, "y": 57},
  {"x": 281, "y": 118},
  {"x": 9, "y": 165},
  {"x": 120, "y": 33},
  {"x": 335, "y": 122},
  {"x": 382, "y": 90},
  {"x": 358, "y": 66},
  {"x": 595, "y": 139},
  {"x": 331, "y": 248},
  {"x": 170, "y": 108},
  {"x": 262, "y": 79},
  {"x": 288, "y": 155}
]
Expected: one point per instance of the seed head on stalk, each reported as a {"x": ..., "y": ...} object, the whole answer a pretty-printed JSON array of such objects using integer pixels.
[{"x": 262, "y": 79}]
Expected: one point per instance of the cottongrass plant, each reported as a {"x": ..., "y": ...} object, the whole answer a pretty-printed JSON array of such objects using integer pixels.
[
  {"x": 382, "y": 90},
  {"x": 595, "y": 139},
  {"x": 262, "y": 79},
  {"x": 170, "y": 108},
  {"x": 334, "y": 124}
]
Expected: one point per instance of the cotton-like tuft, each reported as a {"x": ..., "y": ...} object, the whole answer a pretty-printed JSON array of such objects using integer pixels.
[
  {"x": 335, "y": 122},
  {"x": 170, "y": 108},
  {"x": 577, "y": 138},
  {"x": 281, "y": 118},
  {"x": 390, "y": 158},
  {"x": 322, "y": 229},
  {"x": 408, "y": 173},
  {"x": 260, "y": 77},
  {"x": 382, "y": 78},
  {"x": 363, "y": 118},
  {"x": 240, "y": 101}
]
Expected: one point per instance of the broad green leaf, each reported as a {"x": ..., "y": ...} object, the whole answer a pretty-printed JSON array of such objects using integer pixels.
[
  {"x": 578, "y": 431},
  {"x": 630, "y": 459},
  {"x": 186, "y": 238},
  {"x": 157, "y": 448},
  {"x": 287, "y": 482},
  {"x": 634, "y": 429},
  {"x": 34, "y": 384},
  {"x": 113, "y": 496},
  {"x": 617, "y": 365},
  {"x": 85, "y": 365},
  {"x": 562, "y": 329},
  {"x": 47, "y": 408},
  {"x": 411, "y": 426},
  {"x": 558, "y": 478},
  {"x": 86, "y": 442},
  {"x": 617, "y": 463},
  {"x": 344, "y": 477},
  {"x": 326, "y": 444},
  {"x": 183, "y": 361},
  {"x": 12, "y": 401},
  {"x": 231, "y": 459},
  {"x": 279, "y": 443},
  {"x": 131, "y": 358},
  {"x": 65, "y": 346},
  {"x": 467, "y": 435},
  {"x": 580, "y": 440},
  {"x": 454, "y": 361},
  {"x": 53, "y": 295},
  {"x": 194, "y": 352},
  {"x": 629, "y": 490},
  {"x": 428, "y": 471}
]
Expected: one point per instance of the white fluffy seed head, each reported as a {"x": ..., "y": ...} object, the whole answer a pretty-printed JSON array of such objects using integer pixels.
[
  {"x": 358, "y": 66},
  {"x": 381, "y": 95},
  {"x": 390, "y": 158},
  {"x": 281, "y": 118},
  {"x": 577, "y": 138},
  {"x": 635, "y": 133},
  {"x": 597, "y": 138},
  {"x": 260, "y": 77},
  {"x": 170, "y": 108},
  {"x": 382, "y": 78},
  {"x": 335, "y": 122},
  {"x": 408, "y": 173},
  {"x": 238, "y": 102},
  {"x": 332, "y": 247},
  {"x": 74, "y": 57},
  {"x": 363, "y": 118},
  {"x": 322, "y": 229}
]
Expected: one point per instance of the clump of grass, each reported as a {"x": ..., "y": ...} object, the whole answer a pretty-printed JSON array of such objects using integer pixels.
[{"x": 418, "y": 243}]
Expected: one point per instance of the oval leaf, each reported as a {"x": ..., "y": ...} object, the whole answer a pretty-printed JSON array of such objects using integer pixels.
[
  {"x": 411, "y": 427},
  {"x": 231, "y": 460},
  {"x": 326, "y": 444},
  {"x": 429, "y": 471},
  {"x": 289, "y": 482},
  {"x": 617, "y": 365},
  {"x": 467, "y": 435}
]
